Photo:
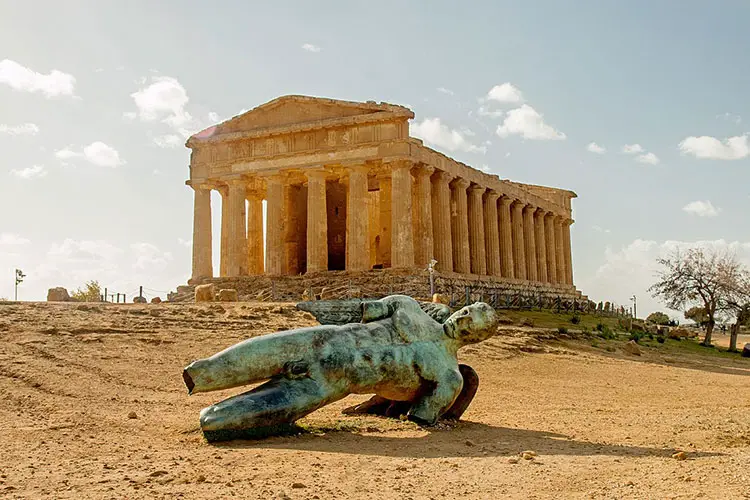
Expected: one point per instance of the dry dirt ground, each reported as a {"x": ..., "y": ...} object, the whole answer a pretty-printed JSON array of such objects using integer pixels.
[{"x": 602, "y": 424}]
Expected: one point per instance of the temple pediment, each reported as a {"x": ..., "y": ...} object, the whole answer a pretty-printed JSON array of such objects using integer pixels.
[{"x": 299, "y": 110}]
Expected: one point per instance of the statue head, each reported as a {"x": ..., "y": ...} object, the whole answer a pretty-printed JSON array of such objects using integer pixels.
[{"x": 472, "y": 324}]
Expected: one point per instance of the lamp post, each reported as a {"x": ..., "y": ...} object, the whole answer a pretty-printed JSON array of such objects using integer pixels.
[
  {"x": 635, "y": 313},
  {"x": 19, "y": 279}
]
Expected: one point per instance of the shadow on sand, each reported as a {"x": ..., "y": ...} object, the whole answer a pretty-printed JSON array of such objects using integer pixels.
[{"x": 466, "y": 439}]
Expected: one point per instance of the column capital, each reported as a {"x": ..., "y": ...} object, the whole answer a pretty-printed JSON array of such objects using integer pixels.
[
  {"x": 517, "y": 205},
  {"x": 316, "y": 173},
  {"x": 492, "y": 196},
  {"x": 443, "y": 176},
  {"x": 460, "y": 183},
  {"x": 200, "y": 185},
  {"x": 476, "y": 188},
  {"x": 422, "y": 170},
  {"x": 567, "y": 221},
  {"x": 397, "y": 164},
  {"x": 254, "y": 193},
  {"x": 357, "y": 169},
  {"x": 506, "y": 200},
  {"x": 530, "y": 208},
  {"x": 540, "y": 212}
]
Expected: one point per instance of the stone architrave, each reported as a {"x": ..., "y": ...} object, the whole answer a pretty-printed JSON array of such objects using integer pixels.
[
  {"x": 357, "y": 248},
  {"x": 460, "y": 226},
  {"x": 402, "y": 235},
  {"x": 274, "y": 226},
  {"x": 549, "y": 243},
  {"x": 519, "y": 247},
  {"x": 506, "y": 238},
  {"x": 202, "y": 265},
  {"x": 317, "y": 222},
  {"x": 476, "y": 230},
  {"x": 491, "y": 234},
  {"x": 254, "y": 232},
  {"x": 441, "y": 219},
  {"x": 541, "y": 247},
  {"x": 422, "y": 205},
  {"x": 529, "y": 239}
]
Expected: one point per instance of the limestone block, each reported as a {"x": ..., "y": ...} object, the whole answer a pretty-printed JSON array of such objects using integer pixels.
[
  {"x": 440, "y": 298},
  {"x": 746, "y": 351},
  {"x": 632, "y": 348},
  {"x": 139, "y": 300},
  {"x": 228, "y": 295},
  {"x": 156, "y": 300},
  {"x": 58, "y": 294},
  {"x": 205, "y": 293}
]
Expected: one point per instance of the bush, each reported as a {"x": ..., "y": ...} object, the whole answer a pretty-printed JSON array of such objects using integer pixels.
[
  {"x": 600, "y": 327},
  {"x": 562, "y": 330},
  {"x": 575, "y": 319},
  {"x": 658, "y": 317},
  {"x": 91, "y": 292},
  {"x": 605, "y": 332},
  {"x": 636, "y": 336},
  {"x": 660, "y": 339}
]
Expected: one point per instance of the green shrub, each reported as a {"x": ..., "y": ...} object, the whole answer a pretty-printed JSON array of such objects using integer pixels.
[
  {"x": 600, "y": 327},
  {"x": 605, "y": 332},
  {"x": 90, "y": 293},
  {"x": 562, "y": 330},
  {"x": 636, "y": 336},
  {"x": 660, "y": 339},
  {"x": 575, "y": 319}
]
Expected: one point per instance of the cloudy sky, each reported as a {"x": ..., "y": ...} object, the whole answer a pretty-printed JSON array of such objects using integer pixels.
[{"x": 640, "y": 107}]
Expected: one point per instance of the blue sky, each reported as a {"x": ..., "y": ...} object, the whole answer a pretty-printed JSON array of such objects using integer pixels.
[{"x": 96, "y": 99}]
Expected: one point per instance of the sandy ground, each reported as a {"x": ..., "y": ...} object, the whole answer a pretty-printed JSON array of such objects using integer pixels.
[{"x": 603, "y": 425}]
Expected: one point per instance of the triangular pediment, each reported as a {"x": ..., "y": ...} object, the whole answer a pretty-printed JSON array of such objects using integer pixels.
[{"x": 293, "y": 110}]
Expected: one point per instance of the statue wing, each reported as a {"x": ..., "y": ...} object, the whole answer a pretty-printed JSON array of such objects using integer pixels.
[
  {"x": 342, "y": 312},
  {"x": 334, "y": 312}
]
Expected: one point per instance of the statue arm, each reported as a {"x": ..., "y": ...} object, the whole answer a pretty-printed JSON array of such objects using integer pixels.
[
  {"x": 373, "y": 310},
  {"x": 431, "y": 405}
]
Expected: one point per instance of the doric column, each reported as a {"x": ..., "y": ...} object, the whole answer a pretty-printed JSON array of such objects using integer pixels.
[
  {"x": 549, "y": 243},
  {"x": 317, "y": 222},
  {"x": 476, "y": 230},
  {"x": 254, "y": 232},
  {"x": 519, "y": 248},
  {"x": 202, "y": 265},
  {"x": 441, "y": 221},
  {"x": 237, "y": 244},
  {"x": 567, "y": 251},
  {"x": 402, "y": 234},
  {"x": 223, "y": 249},
  {"x": 506, "y": 238},
  {"x": 529, "y": 238},
  {"x": 491, "y": 235},
  {"x": 274, "y": 226},
  {"x": 559, "y": 250},
  {"x": 460, "y": 226},
  {"x": 386, "y": 215},
  {"x": 422, "y": 205},
  {"x": 541, "y": 247},
  {"x": 357, "y": 232}
]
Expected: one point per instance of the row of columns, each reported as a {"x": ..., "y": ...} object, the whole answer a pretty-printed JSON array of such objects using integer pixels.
[{"x": 424, "y": 214}]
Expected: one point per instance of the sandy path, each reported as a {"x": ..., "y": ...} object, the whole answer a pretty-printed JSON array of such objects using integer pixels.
[{"x": 602, "y": 426}]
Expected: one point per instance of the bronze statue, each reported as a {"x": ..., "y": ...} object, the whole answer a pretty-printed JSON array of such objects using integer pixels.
[{"x": 402, "y": 351}]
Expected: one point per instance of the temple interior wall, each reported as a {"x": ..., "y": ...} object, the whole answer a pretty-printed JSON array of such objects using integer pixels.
[{"x": 336, "y": 210}]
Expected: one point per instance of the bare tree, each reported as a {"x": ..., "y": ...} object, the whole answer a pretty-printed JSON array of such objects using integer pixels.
[{"x": 712, "y": 279}]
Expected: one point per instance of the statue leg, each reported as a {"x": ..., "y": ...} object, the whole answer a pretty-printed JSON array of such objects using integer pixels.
[
  {"x": 269, "y": 409},
  {"x": 378, "y": 405},
  {"x": 468, "y": 391}
]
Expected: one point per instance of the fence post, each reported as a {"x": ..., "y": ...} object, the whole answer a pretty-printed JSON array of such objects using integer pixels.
[
  {"x": 124, "y": 299},
  {"x": 559, "y": 300},
  {"x": 468, "y": 295},
  {"x": 273, "y": 290},
  {"x": 105, "y": 294},
  {"x": 140, "y": 291}
]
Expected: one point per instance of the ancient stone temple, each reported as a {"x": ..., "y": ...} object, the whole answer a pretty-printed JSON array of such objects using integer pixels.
[{"x": 347, "y": 189}]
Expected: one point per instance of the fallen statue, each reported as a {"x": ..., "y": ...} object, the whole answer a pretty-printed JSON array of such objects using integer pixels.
[{"x": 401, "y": 350}]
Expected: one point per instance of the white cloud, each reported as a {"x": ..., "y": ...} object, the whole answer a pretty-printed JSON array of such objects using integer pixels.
[
  {"x": 23, "y": 129},
  {"x": 168, "y": 141},
  {"x": 213, "y": 116},
  {"x": 600, "y": 229},
  {"x": 706, "y": 147},
  {"x": 632, "y": 149},
  {"x": 632, "y": 270},
  {"x": 433, "y": 132},
  {"x": 701, "y": 209},
  {"x": 737, "y": 119},
  {"x": 12, "y": 239},
  {"x": 18, "y": 77},
  {"x": 310, "y": 47},
  {"x": 130, "y": 115},
  {"x": 185, "y": 243},
  {"x": 595, "y": 148},
  {"x": 164, "y": 100},
  {"x": 649, "y": 158},
  {"x": 30, "y": 172},
  {"x": 96, "y": 153},
  {"x": 443, "y": 90},
  {"x": 483, "y": 111},
  {"x": 506, "y": 92},
  {"x": 529, "y": 124},
  {"x": 84, "y": 250},
  {"x": 148, "y": 256}
]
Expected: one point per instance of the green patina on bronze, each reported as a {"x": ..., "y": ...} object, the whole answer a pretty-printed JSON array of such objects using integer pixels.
[{"x": 400, "y": 350}]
